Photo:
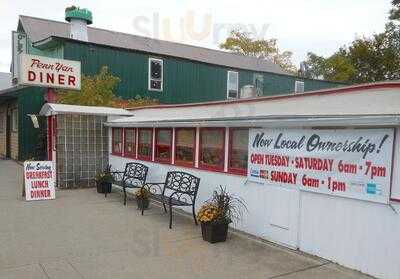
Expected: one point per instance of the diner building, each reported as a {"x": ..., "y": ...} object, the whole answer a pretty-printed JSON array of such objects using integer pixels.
[
  {"x": 166, "y": 71},
  {"x": 353, "y": 223}
]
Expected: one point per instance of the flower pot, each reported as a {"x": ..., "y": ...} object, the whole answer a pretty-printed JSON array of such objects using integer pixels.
[
  {"x": 103, "y": 187},
  {"x": 214, "y": 232},
  {"x": 142, "y": 203}
]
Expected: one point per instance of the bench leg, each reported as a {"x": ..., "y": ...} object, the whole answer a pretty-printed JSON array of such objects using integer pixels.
[
  {"x": 170, "y": 216},
  {"x": 194, "y": 214},
  {"x": 124, "y": 195},
  {"x": 165, "y": 208}
]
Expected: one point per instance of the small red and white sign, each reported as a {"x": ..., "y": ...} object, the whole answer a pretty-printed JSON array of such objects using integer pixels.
[
  {"x": 39, "y": 180},
  {"x": 50, "y": 72}
]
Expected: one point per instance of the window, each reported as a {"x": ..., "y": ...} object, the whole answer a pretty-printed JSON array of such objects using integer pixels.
[
  {"x": 2, "y": 122},
  {"x": 14, "y": 120},
  {"x": 299, "y": 87},
  {"x": 145, "y": 143},
  {"x": 233, "y": 85},
  {"x": 185, "y": 142},
  {"x": 117, "y": 141},
  {"x": 259, "y": 84},
  {"x": 155, "y": 74},
  {"x": 163, "y": 145},
  {"x": 238, "y": 150},
  {"x": 129, "y": 143},
  {"x": 212, "y": 151}
]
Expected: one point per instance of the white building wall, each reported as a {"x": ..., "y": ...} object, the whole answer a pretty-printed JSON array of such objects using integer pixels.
[
  {"x": 267, "y": 215},
  {"x": 361, "y": 235}
]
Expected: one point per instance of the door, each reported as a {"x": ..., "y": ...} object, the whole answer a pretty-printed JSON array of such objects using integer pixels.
[{"x": 282, "y": 211}]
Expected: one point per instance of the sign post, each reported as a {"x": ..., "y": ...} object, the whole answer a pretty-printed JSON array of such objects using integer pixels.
[
  {"x": 39, "y": 178},
  {"x": 348, "y": 163}
]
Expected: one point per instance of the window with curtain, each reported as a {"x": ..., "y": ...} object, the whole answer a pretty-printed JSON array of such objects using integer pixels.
[
  {"x": 163, "y": 145},
  {"x": 212, "y": 151},
  {"x": 238, "y": 150},
  {"x": 145, "y": 143},
  {"x": 130, "y": 142},
  {"x": 117, "y": 141},
  {"x": 185, "y": 141}
]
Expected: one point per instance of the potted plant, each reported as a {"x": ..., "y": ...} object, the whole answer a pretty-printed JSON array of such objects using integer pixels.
[
  {"x": 142, "y": 198},
  {"x": 217, "y": 213},
  {"x": 104, "y": 181}
]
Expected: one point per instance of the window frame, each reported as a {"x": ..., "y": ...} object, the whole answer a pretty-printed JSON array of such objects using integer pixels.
[
  {"x": 227, "y": 85},
  {"x": 113, "y": 141},
  {"x": 3, "y": 118},
  {"x": 14, "y": 120},
  {"x": 220, "y": 168},
  {"x": 156, "y": 158},
  {"x": 149, "y": 74},
  {"x": 141, "y": 157},
  {"x": 239, "y": 171},
  {"x": 130, "y": 155},
  {"x": 296, "y": 85},
  {"x": 181, "y": 163}
]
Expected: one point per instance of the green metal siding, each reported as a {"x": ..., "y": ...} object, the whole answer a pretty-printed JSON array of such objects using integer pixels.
[
  {"x": 56, "y": 52},
  {"x": 185, "y": 81},
  {"x": 30, "y": 101}
]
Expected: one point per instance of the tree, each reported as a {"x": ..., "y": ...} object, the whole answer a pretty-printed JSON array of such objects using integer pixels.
[
  {"x": 395, "y": 11},
  {"x": 98, "y": 90},
  {"x": 364, "y": 60},
  {"x": 244, "y": 43}
]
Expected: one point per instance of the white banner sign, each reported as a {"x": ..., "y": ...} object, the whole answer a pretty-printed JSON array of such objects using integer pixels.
[
  {"x": 348, "y": 163},
  {"x": 19, "y": 46},
  {"x": 39, "y": 180},
  {"x": 50, "y": 72}
]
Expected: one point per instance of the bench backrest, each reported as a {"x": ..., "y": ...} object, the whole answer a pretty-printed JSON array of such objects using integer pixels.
[
  {"x": 135, "y": 174},
  {"x": 182, "y": 183}
]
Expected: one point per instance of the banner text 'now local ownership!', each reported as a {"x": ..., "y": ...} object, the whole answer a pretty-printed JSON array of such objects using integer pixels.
[{"x": 348, "y": 163}]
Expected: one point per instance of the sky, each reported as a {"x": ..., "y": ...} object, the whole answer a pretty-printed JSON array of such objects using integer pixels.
[{"x": 300, "y": 26}]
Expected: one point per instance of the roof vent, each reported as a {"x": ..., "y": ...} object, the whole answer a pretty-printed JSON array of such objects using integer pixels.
[{"x": 79, "y": 19}]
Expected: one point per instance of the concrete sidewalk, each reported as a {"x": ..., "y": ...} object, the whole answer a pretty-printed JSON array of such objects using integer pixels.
[{"x": 83, "y": 235}]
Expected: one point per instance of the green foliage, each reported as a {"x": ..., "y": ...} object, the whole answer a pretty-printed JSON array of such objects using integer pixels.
[
  {"x": 98, "y": 90},
  {"x": 365, "y": 60},
  {"x": 95, "y": 90},
  {"x": 395, "y": 11},
  {"x": 244, "y": 43}
]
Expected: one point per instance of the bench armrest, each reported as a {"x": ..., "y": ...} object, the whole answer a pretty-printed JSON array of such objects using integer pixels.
[
  {"x": 154, "y": 188},
  {"x": 180, "y": 196}
]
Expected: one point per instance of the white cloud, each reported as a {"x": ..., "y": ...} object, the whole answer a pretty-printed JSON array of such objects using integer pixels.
[{"x": 320, "y": 26}]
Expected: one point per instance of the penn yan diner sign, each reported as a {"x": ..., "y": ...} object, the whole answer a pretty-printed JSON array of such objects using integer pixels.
[
  {"x": 348, "y": 163},
  {"x": 39, "y": 180},
  {"x": 50, "y": 72}
]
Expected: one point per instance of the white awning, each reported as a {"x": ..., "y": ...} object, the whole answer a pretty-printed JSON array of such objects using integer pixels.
[
  {"x": 49, "y": 109},
  {"x": 276, "y": 122}
]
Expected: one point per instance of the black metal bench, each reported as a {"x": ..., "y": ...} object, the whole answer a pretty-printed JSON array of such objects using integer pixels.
[
  {"x": 179, "y": 189},
  {"x": 134, "y": 176}
]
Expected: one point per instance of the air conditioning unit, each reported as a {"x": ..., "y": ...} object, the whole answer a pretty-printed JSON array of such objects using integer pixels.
[{"x": 248, "y": 91}]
